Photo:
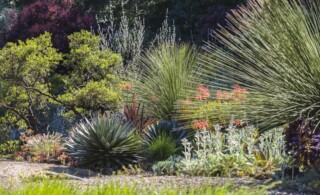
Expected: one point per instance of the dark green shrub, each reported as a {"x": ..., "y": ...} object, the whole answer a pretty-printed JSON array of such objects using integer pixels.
[
  {"x": 159, "y": 133},
  {"x": 103, "y": 142},
  {"x": 162, "y": 147}
]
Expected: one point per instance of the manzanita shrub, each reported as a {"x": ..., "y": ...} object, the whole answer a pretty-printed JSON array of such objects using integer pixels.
[{"x": 54, "y": 16}]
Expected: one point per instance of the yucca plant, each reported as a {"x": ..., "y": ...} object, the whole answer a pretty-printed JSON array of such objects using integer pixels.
[
  {"x": 104, "y": 142},
  {"x": 166, "y": 70},
  {"x": 271, "y": 48}
]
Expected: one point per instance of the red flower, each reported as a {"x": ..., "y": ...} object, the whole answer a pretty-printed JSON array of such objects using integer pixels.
[
  {"x": 237, "y": 93},
  {"x": 198, "y": 97},
  {"x": 197, "y": 124},
  {"x": 203, "y": 93}
]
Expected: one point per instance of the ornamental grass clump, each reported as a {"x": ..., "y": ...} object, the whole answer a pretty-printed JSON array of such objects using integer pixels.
[
  {"x": 166, "y": 70},
  {"x": 44, "y": 147},
  {"x": 104, "y": 142},
  {"x": 270, "y": 48},
  {"x": 163, "y": 139}
]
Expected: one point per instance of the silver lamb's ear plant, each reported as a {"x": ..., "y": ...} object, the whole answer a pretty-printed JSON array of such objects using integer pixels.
[{"x": 271, "y": 48}]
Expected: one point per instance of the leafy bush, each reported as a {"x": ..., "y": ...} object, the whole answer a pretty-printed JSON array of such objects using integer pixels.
[
  {"x": 104, "y": 142},
  {"x": 92, "y": 73},
  {"x": 32, "y": 90},
  {"x": 9, "y": 147},
  {"x": 271, "y": 49},
  {"x": 44, "y": 147},
  {"x": 24, "y": 70}
]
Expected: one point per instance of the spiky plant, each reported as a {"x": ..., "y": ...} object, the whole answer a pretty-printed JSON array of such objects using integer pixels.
[
  {"x": 135, "y": 114},
  {"x": 162, "y": 148},
  {"x": 271, "y": 48},
  {"x": 103, "y": 142},
  {"x": 165, "y": 73},
  {"x": 165, "y": 128}
]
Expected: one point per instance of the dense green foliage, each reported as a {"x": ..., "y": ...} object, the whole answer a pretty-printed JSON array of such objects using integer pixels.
[
  {"x": 25, "y": 68},
  {"x": 92, "y": 83},
  {"x": 30, "y": 84},
  {"x": 104, "y": 142}
]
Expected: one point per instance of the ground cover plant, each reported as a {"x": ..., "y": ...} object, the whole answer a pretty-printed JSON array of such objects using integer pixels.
[{"x": 238, "y": 152}]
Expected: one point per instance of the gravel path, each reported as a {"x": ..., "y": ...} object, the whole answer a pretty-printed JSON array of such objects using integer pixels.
[{"x": 12, "y": 174}]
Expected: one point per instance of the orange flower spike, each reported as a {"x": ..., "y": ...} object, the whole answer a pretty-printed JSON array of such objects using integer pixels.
[
  {"x": 204, "y": 91},
  {"x": 198, "y": 97},
  {"x": 239, "y": 92},
  {"x": 196, "y": 124}
]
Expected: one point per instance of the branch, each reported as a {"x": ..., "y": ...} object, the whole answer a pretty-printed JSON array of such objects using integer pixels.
[
  {"x": 70, "y": 107},
  {"x": 17, "y": 112}
]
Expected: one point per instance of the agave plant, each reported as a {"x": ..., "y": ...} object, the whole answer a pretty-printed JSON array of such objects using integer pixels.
[
  {"x": 104, "y": 142},
  {"x": 164, "y": 139},
  {"x": 165, "y": 73},
  {"x": 270, "y": 48}
]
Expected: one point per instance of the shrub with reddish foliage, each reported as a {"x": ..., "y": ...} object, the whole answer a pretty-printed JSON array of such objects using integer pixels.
[{"x": 54, "y": 16}]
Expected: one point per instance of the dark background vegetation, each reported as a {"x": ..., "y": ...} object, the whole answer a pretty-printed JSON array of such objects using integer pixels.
[{"x": 193, "y": 19}]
